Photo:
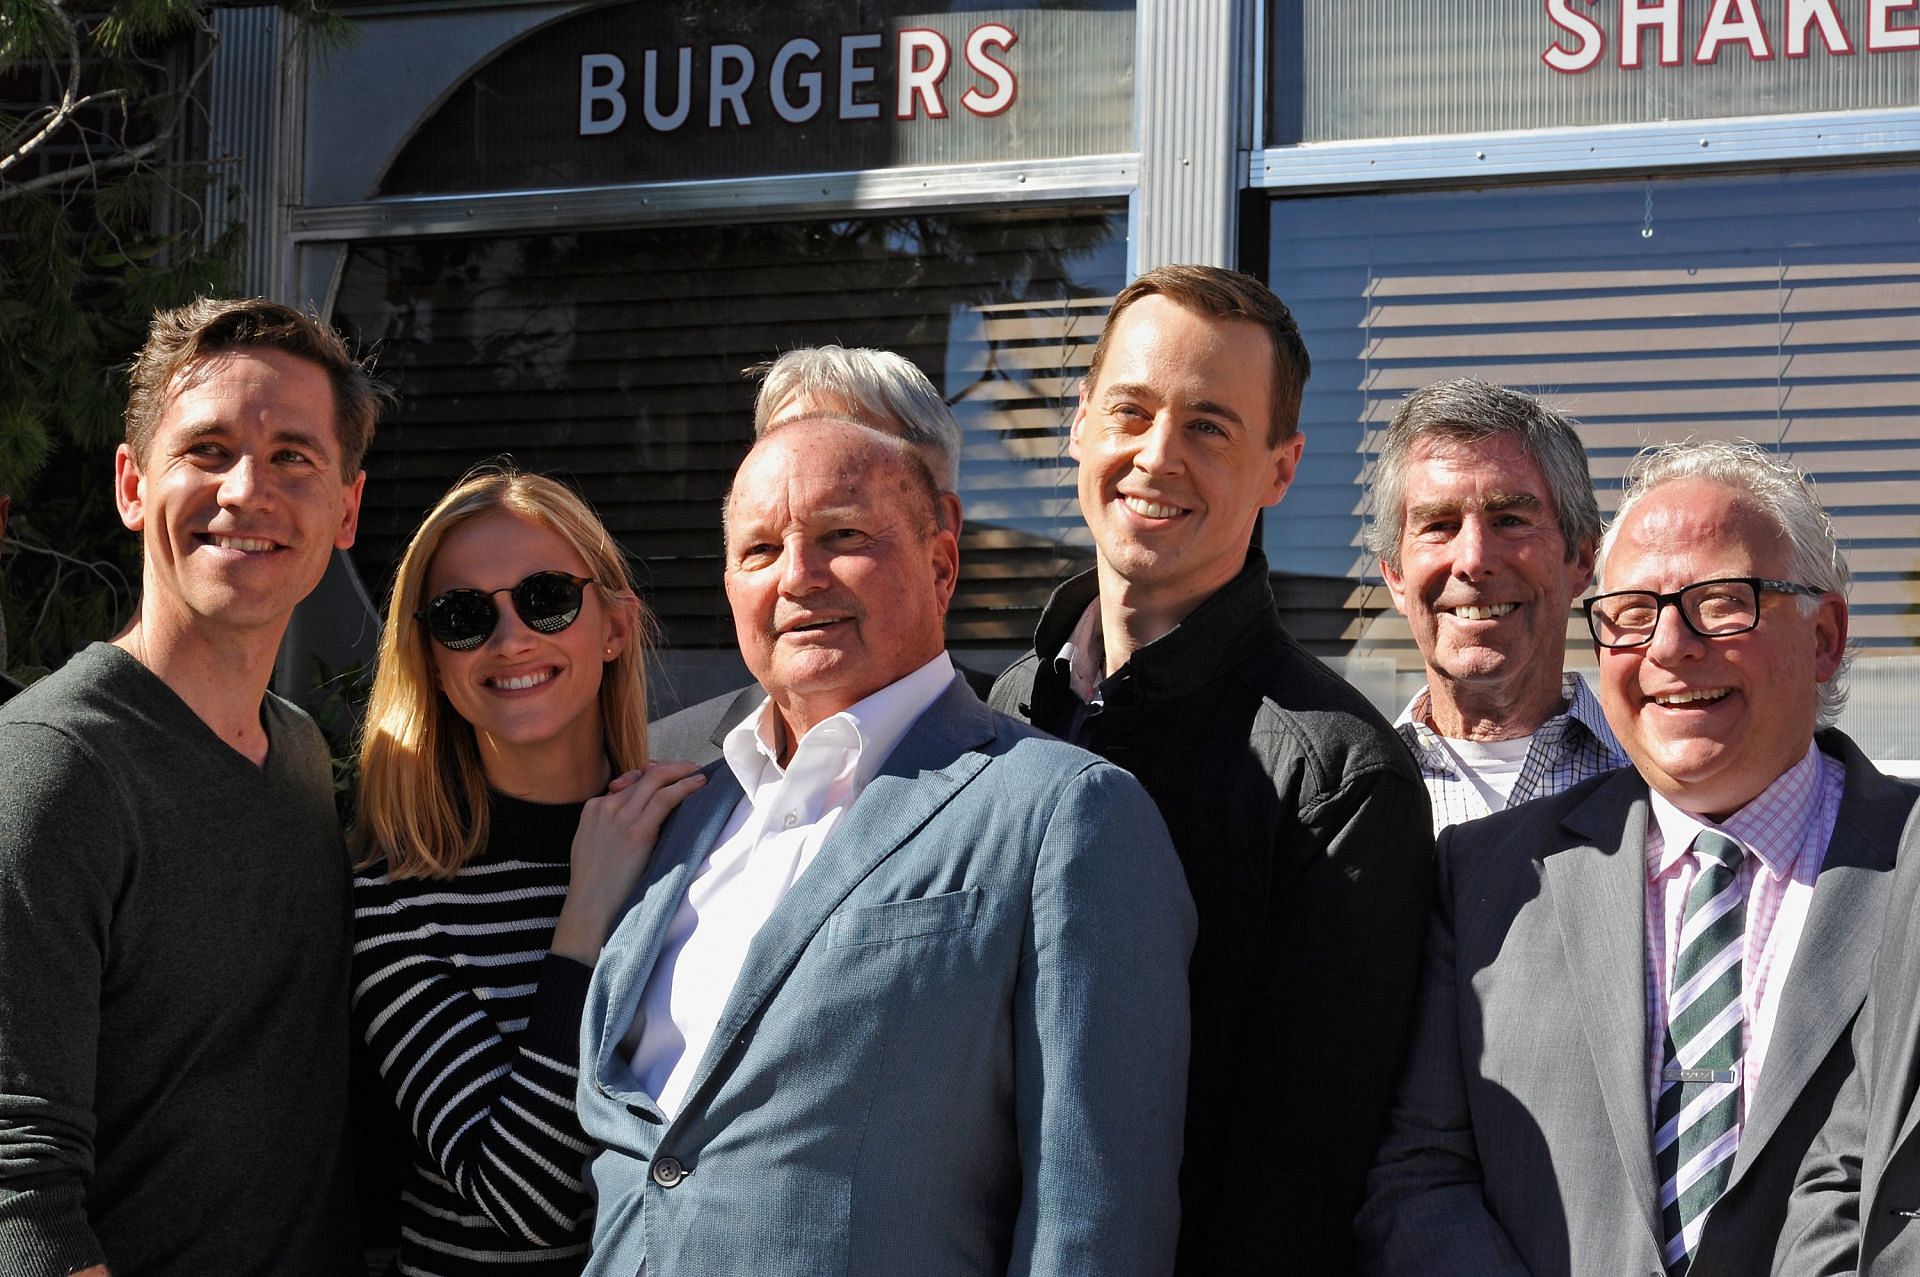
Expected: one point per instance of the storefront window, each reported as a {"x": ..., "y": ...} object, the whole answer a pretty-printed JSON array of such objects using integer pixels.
[
  {"x": 650, "y": 92},
  {"x": 614, "y": 359},
  {"x": 1411, "y": 68},
  {"x": 1782, "y": 308}
]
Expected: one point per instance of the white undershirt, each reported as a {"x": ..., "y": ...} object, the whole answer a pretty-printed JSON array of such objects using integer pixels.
[
  {"x": 1492, "y": 765},
  {"x": 776, "y": 830}
]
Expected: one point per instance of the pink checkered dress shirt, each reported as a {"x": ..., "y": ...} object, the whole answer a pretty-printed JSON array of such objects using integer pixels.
[{"x": 1785, "y": 832}]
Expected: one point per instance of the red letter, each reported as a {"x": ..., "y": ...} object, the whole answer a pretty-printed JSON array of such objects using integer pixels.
[
  {"x": 1005, "y": 86},
  {"x": 1635, "y": 16},
  {"x": 1801, "y": 14},
  {"x": 915, "y": 79},
  {"x": 1593, "y": 42},
  {"x": 1729, "y": 22},
  {"x": 1882, "y": 35}
]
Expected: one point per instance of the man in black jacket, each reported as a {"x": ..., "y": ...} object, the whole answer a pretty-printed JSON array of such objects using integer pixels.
[{"x": 1298, "y": 814}]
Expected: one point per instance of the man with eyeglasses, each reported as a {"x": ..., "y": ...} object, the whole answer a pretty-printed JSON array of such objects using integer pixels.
[
  {"x": 1610, "y": 969},
  {"x": 174, "y": 924}
]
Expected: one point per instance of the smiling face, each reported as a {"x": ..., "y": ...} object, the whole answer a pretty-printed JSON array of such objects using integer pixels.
[
  {"x": 1175, "y": 463},
  {"x": 240, "y": 500},
  {"x": 1485, "y": 583},
  {"x": 523, "y": 691},
  {"x": 1710, "y": 723},
  {"x": 837, "y": 575}
]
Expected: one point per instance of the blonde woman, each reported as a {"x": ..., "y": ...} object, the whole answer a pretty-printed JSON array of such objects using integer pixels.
[{"x": 506, "y": 811}]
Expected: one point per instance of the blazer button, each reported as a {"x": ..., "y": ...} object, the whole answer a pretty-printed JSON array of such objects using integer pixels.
[{"x": 667, "y": 1171}]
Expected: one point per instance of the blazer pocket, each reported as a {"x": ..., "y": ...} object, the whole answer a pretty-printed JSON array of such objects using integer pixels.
[{"x": 904, "y": 919}]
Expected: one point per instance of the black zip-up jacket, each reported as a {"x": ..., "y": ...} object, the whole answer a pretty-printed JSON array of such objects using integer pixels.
[{"x": 1307, "y": 840}]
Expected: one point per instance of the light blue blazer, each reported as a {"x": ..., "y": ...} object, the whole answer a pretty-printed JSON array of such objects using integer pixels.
[{"x": 958, "y": 1046}]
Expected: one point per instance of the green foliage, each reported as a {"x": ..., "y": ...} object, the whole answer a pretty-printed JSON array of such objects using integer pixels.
[
  {"x": 104, "y": 218},
  {"x": 338, "y": 704}
]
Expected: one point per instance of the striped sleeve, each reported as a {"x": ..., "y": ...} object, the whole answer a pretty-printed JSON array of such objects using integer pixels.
[{"x": 491, "y": 1102}]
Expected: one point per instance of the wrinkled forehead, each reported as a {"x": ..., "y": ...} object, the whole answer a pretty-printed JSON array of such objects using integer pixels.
[
  {"x": 1693, "y": 529},
  {"x": 806, "y": 471},
  {"x": 1503, "y": 459}
]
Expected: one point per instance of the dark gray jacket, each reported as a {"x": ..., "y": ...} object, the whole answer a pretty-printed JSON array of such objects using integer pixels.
[{"x": 1855, "y": 1207}]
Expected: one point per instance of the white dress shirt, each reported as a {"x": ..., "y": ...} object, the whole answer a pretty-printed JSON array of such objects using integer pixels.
[{"x": 776, "y": 830}]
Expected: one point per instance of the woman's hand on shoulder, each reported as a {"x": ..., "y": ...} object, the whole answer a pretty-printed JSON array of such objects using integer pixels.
[{"x": 611, "y": 849}]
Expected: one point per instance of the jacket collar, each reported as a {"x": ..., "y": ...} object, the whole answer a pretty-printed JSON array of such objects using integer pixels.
[
  {"x": 1189, "y": 656},
  {"x": 1597, "y": 885}
]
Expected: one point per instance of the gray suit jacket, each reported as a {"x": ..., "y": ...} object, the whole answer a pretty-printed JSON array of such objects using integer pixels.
[
  {"x": 696, "y": 733},
  {"x": 1859, "y": 1191},
  {"x": 1521, "y": 1139},
  {"x": 958, "y": 1045}
]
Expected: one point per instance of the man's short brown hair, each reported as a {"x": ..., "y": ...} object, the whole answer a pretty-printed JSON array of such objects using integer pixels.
[
  {"x": 1227, "y": 294},
  {"x": 209, "y": 326}
]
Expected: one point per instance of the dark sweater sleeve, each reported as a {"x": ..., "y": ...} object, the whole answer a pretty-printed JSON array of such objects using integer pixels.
[
  {"x": 497, "y": 1119},
  {"x": 60, "y": 870}
]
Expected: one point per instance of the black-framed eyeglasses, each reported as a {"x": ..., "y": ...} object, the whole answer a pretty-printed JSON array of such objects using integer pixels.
[
  {"x": 461, "y": 620},
  {"x": 1718, "y": 608}
]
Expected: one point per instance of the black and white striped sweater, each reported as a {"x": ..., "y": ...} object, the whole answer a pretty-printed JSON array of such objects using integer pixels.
[{"x": 475, "y": 1029}]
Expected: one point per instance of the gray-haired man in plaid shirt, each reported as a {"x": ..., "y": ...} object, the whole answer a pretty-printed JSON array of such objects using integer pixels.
[{"x": 1484, "y": 519}]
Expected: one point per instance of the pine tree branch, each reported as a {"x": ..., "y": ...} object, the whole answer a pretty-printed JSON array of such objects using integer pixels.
[
  {"x": 68, "y": 103},
  {"x": 126, "y": 160}
]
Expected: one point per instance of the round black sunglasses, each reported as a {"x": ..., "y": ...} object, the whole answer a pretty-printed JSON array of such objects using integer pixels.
[{"x": 461, "y": 620}]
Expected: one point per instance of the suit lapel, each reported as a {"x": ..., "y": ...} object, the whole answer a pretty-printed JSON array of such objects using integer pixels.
[
  {"x": 1833, "y": 963},
  {"x": 635, "y": 945},
  {"x": 744, "y": 703},
  {"x": 1899, "y": 1061},
  {"x": 935, "y": 759},
  {"x": 1598, "y": 889}
]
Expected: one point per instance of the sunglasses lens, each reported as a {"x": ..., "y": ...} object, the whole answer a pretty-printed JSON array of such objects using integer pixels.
[
  {"x": 461, "y": 619},
  {"x": 547, "y": 601}
]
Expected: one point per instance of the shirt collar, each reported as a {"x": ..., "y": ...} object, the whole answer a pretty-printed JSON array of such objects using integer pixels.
[
  {"x": 1772, "y": 826},
  {"x": 1083, "y": 657},
  {"x": 1578, "y": 703},
  {"x": 869, "y": 729},
  {"x": 1581, "y": 710},
  {"x": 1209, "y": 639}
]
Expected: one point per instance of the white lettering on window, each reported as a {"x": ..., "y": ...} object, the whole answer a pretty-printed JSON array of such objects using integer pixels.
[
  {"x": 650, "y": 100},
  {"x": 990, "y": 35},
  {"x": 724, "y": 91},
  {"x": 596, "y": 92},
  {"x": 923, "y": 61},
  {"x": 852, "y": 75},
  {"x": 808, "y": 80},
  {"x": 1592, "y": 42},
  {"x": 1636, "y": 17}
]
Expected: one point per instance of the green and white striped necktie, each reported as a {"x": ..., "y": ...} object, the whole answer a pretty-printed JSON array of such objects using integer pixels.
[{"x": 1697, "y": 1119}]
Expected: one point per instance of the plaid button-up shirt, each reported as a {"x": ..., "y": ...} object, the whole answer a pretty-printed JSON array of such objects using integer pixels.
[{"x": 1569, "y": 747}]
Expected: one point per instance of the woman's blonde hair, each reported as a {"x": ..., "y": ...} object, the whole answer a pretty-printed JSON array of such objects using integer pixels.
[{"x": 423, "y": 792}]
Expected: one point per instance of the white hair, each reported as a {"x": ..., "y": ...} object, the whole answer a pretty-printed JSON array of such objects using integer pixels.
[
  {"x": 1777, "y": 488},
  {"x": 876, "y": 388}
]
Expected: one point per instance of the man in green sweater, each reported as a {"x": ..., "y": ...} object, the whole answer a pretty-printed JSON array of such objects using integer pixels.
[{"x": 173, "y": 888}]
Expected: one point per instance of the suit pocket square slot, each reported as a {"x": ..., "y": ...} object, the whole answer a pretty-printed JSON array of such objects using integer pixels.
[{"x": 904, "y": 919}]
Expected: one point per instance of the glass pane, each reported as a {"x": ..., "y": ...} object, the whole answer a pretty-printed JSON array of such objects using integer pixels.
[
  {"x": 670, "y": 91},
  {"x": 614, "y": 359},
  {"x": 1411, "y": 68},
  {"x": 1782, "y": 308}
]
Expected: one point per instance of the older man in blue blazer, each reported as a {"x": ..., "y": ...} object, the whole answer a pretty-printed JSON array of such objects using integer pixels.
[{"x": 904, "y": 988}]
